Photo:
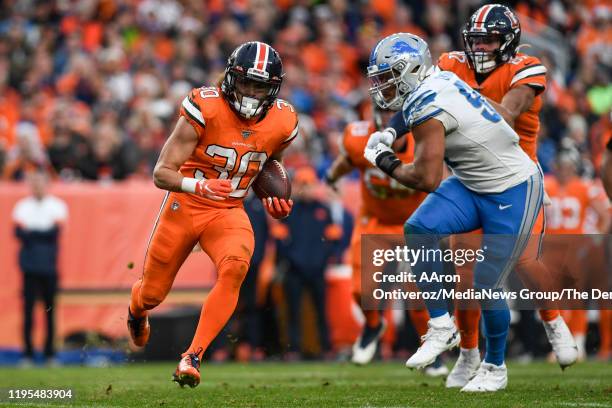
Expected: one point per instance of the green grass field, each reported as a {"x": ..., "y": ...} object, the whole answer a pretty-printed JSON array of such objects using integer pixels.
[{"x": 310, "y": 385}]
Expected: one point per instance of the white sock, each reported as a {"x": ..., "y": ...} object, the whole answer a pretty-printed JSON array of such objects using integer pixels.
[
  {"x": 469, "y": 352},
  {"x": 581, "y": 344},
  {"x": 554, "y": 321},
  {"x": 442, "y": 321}
]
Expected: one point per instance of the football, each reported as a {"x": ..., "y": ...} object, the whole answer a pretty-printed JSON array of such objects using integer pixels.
[{"x": 272, "y": 181}]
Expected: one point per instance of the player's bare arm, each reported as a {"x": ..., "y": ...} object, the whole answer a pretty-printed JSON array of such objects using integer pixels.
[
  {"x": 515, "y": 102},
  {"x": 340, "y": 167},
  {"x": 175, "y": 152},
  {"x": 426, "y": 172}
]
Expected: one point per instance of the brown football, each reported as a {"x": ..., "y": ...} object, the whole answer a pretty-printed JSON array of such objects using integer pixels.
[{"x": 272, "y": 181}]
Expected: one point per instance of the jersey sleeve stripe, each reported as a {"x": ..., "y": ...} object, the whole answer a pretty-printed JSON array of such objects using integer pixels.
[
  {"x": 293, "y": 135},
  {"x": 426, "y": 117},
  {"x": 536, "y": 85},
  {"x": 530, "y": 76},
  {"x": 528, "y": 67},
  {"x": 419, "y": 101},
  {"x": 529, "y": 72},
  {"x": 193, "y": 112}
]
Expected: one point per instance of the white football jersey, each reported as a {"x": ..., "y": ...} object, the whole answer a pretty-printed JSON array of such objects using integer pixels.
[{"x": 481, "y": 149}]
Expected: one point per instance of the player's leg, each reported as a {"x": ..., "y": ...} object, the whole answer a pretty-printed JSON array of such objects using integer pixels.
[
  {"x": 171, "y": 241},
  {"x": 535, "y": 275},
  {"x": 467, "y": 317},
  {"x": 227, "y": 237},
  {"x": 605, "y": 335},
  {"x": 507, "y": 222},
  {"x": 448, "y": 210},
  {"x": 374, "y": 327},
  {"x": 578, "y": 324}
]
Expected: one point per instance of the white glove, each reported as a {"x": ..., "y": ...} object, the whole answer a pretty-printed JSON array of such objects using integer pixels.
[
  {"x": 372, "y": 153},
  {"x": 386, "y": 137}
]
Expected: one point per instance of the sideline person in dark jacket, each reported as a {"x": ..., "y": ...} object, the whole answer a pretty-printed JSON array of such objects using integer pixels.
[
  {"x": 308, "y": 243},
  {"x": 37, "y": 224}
]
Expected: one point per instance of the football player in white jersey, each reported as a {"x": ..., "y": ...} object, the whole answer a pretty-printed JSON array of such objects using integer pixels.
[{"x": 495, "y": 186}]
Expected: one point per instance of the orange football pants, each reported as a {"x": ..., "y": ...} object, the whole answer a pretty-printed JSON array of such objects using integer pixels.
[
  {"x": 366, "y": 226},
  {"x": 529, "y": 268},
  {"x": 225, "y": 234}
]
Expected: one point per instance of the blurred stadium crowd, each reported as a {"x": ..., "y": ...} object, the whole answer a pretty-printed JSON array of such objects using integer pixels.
[{"x": 90, "y": 89}]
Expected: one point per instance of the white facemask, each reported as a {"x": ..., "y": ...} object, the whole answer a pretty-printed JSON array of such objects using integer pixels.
[
  {"x": 248, "y": 107},
  {"x": 484, "y": 62}
]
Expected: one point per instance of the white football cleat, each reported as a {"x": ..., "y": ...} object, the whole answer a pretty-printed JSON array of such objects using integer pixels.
[
  {"x": 465, "y": 368},
  {"x": 562, "y": 342},
  {"x": 435, "y": 342},
  {"x": 365, "y": 345},
  {"x": 488, "y": 378}
]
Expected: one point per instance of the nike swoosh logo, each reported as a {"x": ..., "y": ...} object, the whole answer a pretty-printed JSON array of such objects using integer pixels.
[{"x": 503, "y": 207}]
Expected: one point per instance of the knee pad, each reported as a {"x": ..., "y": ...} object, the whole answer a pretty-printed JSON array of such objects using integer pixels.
[{"x": 233, "y": 270}]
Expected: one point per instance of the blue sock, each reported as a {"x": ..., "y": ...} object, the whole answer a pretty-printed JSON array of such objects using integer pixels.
[
  {"x": 419, "y": 238},
  {"x": 496, "y": 324}
]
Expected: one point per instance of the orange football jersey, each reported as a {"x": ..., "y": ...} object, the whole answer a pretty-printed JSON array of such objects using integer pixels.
[
  {"x": 382, "y": 197},
  {"x": 521, "y": 70},
  {"x": 597, "y": 193},
  {"x": 230, "y": 147},
  {"x": 568, "y": 211}
]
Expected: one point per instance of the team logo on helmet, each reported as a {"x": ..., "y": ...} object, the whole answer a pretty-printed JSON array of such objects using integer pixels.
[{"x": 397, "y": 66}]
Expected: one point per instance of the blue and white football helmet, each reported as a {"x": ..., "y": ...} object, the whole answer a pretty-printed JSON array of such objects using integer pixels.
[{"x": 397, "y": 66}]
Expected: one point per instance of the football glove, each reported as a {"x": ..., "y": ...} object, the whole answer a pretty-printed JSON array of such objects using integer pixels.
[
  {"x": 277, "y": 208},
  {"x": 382, "y": 156},
  {"x": 214, "y": 189},
  {"x": 386, "y": 137}
]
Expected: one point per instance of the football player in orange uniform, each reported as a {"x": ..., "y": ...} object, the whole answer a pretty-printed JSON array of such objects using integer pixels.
[
  {"x": 513, "y": 83},
  {"x": 220, "y": 143},
  {"x": 571, "y": 200},
  {"x": 386, "y": 204}
]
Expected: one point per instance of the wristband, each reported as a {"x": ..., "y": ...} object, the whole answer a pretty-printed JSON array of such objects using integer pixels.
[
  {"x": 387, "y": 162},
  {"x": 188, "y": 184}
]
